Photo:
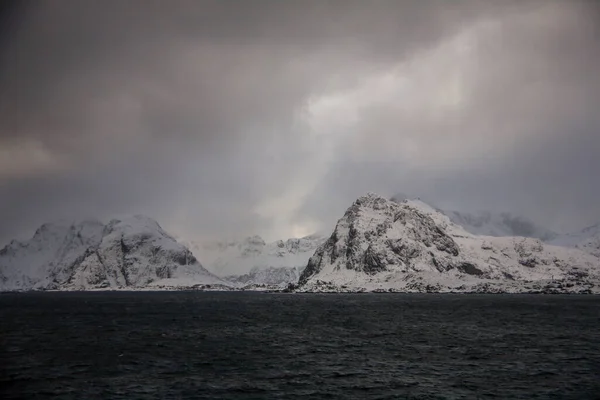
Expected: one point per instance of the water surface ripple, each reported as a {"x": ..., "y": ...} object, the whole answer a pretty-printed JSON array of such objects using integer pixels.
[{"x": 144, "y": 345}]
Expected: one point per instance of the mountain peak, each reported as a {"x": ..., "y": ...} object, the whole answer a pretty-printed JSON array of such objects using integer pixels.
[
  {"x": 255, "y": 240},
  {"x": 369, "y": 196},
  {"x": 127, "y": 252},
  {"x": 370, "y": 200},
  {"x": 135, "y": 221},
  {"x": 409, "y": 246}
]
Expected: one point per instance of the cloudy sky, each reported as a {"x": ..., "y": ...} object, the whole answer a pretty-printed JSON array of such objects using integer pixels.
[{"x": 225, "y": 118}]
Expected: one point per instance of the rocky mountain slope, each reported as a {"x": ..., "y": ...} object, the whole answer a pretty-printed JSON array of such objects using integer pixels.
[
  {"x": 241, "y": 257},
  {"x": 384, "y": 245},
  {"x": 129, "y": 253}
]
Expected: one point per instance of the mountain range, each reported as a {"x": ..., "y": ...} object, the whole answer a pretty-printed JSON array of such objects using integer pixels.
[
  {"x": 239, "y": 257},
  {"x": 379, "y": 244}
]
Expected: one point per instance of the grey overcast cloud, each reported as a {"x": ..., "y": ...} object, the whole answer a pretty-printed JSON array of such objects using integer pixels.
[{"x": 228, "y": 118}]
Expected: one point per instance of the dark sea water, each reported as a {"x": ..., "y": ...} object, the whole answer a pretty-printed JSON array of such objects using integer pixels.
[{"x": 171, "y": 345}]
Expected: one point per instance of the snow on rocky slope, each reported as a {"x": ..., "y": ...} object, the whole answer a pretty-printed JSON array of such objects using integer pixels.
[
  {"x": 587, "y": 239},
  {"x": 251, "y": 255},
  {"x": 133, "y": 252},
  {"x": 384, "y": 245}
]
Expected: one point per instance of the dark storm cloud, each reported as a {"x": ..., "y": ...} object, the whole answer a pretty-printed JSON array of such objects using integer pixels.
[
  {"x": 523, "y": 137},
  {"x": 239, "y": 55},
  {"x": 226, "y": 117}
]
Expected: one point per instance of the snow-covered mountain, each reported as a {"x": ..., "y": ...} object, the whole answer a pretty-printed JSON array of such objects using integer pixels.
[
  {"x": 134, "y": 252},
  {"x": 240, "y": 257},
  {"x": 587, "y": 239},
  {"x": 381, "y": 244},
  {"x": 270, "y": 277}
]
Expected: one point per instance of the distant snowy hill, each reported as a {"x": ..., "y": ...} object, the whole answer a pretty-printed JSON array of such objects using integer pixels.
[
  {"x": 240, "y": 257},
  {"x": 381, "y": 244},
  {"x": 488, "y": 223},
  {"x": 269, "y": 277},
  {"x": 499, "y": 224},
  {"x": 129, "y": 253},
  {"x": 587, "y": 239}
]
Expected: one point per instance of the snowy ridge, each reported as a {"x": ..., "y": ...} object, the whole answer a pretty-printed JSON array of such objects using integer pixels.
[
  {"x": 587, "y": 239},
  {"x": 499, "y": 224},
  {"x": 487, "y": 223},
  {"x": 241, "y": 257},
  {"x": 383, "y": 245},
  {"x": 134, "y": 252}
]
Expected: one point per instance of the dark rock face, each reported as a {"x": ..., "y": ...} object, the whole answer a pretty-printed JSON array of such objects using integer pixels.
[
  {"x": 529, "y": 254},
  {"x": 373, "y": 262},
  {"x": 405, "y": 250},
  {"x": 441, "y": 264},
  {"x": 469, "y": 268},
  {"x": 508, "y": 276},
  {"x": 426, "y": 231},
  {"x": 529, "y": 262},
  {"x": 314, "y": 263}
]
